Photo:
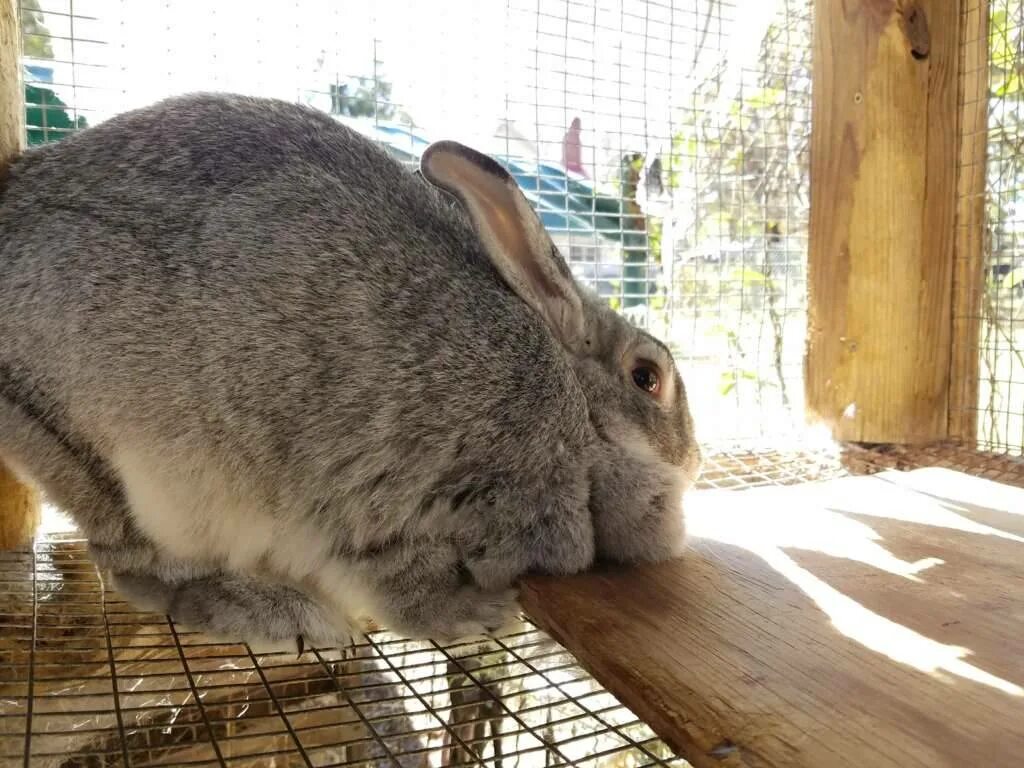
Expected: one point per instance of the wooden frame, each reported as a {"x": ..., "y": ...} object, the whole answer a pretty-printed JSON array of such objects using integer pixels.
[
  {"x": 884, "y": 151},
  {"x": 12, "y": 118},
  {"x": 19, "y": 503},
  {"x": 971, "y": 227}
]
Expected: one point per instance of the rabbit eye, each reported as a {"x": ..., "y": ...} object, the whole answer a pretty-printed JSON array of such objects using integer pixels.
[{"x": 646, "y": 377}]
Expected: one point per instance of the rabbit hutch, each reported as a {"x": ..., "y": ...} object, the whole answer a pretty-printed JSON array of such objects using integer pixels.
[{"x": 818, "y": 205}]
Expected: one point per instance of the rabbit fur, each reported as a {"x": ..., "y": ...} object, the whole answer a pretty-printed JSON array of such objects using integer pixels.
[{"x": 284, "y": 385}]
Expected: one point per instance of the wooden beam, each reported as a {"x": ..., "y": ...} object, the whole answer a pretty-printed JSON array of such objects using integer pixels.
[
  {"x": 883, "y": 191},
  {"x": 971, "y": 246},
  {"x": 19, "y": 504},
  {"x": 862, "y": 621}
]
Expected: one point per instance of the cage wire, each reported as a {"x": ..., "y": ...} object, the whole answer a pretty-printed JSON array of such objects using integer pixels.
[
  {"x": 665, "y": 146},
  {"x": 1001, "y": 314},
  {"x": 89, "y": 681}
]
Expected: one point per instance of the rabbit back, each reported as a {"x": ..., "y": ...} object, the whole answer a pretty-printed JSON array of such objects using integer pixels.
[{"x": 280, "y": 339}]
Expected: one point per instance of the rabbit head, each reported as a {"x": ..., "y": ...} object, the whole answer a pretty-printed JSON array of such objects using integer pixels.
[{"x": 643, "y": 453}]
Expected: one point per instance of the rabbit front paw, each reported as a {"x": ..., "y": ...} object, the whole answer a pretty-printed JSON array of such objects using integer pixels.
[
  {"x": 269, "y": 617},
  {"x": 469, "y": 612}
]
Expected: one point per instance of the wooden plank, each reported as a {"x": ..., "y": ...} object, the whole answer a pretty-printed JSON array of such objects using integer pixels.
[
  {"x": 883, "y": 190},
  {"x": 865, "y": 621},
  {"x": 971, "y": 226},
  {"x": 19, "y": 504}
]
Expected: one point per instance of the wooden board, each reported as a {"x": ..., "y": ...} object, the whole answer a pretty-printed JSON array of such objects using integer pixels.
[
  {"x": 19, "y": 504},
  {"x": 866, "y": 621},
  {"x": 883, "y": 189}
]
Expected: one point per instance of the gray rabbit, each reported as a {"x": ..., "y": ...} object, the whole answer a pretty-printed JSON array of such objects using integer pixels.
[{"x": 285, "y": 385}]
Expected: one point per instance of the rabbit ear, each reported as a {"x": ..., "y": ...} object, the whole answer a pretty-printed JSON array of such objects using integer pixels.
[{"x": 511, "y": 232}]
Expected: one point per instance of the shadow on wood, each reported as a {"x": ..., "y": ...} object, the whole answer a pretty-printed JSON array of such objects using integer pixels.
[{"x": 862, "y": 621}]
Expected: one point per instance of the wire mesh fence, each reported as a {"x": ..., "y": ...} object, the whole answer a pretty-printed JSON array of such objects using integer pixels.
[
  {"x": 1001, "y": 343},
  {"x": 664, "y": 144}
]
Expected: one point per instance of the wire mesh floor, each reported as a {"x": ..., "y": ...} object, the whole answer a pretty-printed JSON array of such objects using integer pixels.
[{"x": 86, "y": 680}]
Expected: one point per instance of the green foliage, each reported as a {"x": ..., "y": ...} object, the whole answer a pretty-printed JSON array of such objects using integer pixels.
[
  {"x": 654, "y": 230},
  {"x": 747, "y": 165},
  {"x": 749, "y": 278},
  {"x": 46, "y": 116},
  {"x": 1005, "y": 56},
  {"x": 740, "y": 161},
  {"x": 737, "y": 368},
  {"x": 35, "y": 36},
  {"x": 730, "y": 378},
  {"x": 694, "y": 286},
  {"x": 363, "y": 97},
  {"x": 1005, "y": 173},
  {"x": 763, "y": 99},
  {"x": 615, "y": 301}
]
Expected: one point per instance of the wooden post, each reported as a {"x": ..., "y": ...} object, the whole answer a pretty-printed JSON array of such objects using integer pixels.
[
  {"x": 19, "y": 504},
  {"x": 971, "y": 226},
  {"x": 12, "y": 110},
  {"x": 883, "y": 198}
]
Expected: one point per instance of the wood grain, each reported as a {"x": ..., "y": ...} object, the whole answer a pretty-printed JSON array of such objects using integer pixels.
[
  {"x": 883, "y": 189},
  {"x": 19, "y": 504},
  {"x": 12, "y": 118},
  {"x": 971, "y": 225},
  {"x": 865, "y": 621},
  {"x": 20, "y": 511}
]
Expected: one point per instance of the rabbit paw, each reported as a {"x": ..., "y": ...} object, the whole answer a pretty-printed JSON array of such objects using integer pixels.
[
  {"x": 269, "y": 617},
  {"x": 471, "y": 613}
]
